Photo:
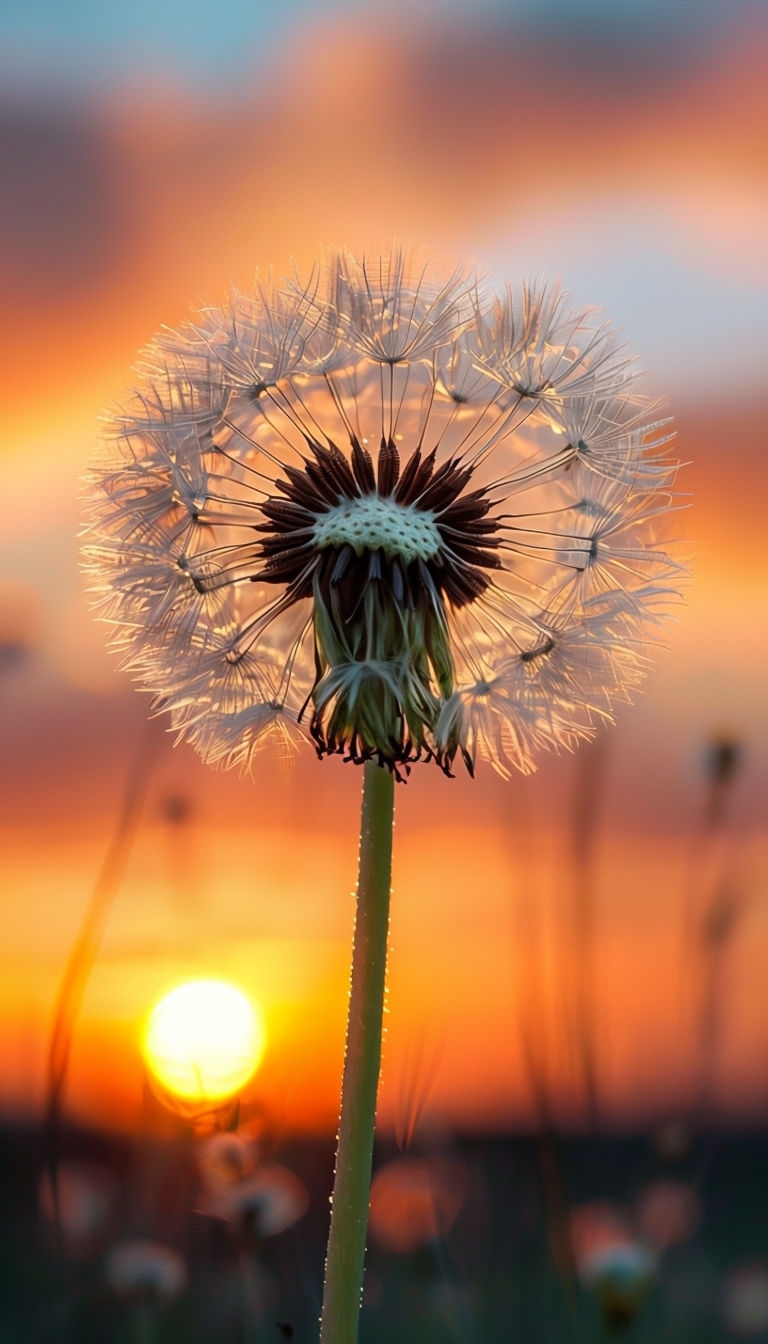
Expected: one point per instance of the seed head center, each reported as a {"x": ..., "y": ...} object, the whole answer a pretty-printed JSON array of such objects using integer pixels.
[{"x": 373, "y": 523}]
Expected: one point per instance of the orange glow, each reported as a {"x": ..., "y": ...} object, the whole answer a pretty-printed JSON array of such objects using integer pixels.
[
  {"x": 204, "y": 1040},
  {"x": 254, "y": 880}
]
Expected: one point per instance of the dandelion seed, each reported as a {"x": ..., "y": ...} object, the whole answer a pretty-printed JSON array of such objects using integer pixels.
[{"x": 380, "y": 514}]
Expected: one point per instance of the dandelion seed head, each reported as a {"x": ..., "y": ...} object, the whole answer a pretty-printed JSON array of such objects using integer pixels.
[{"x": 382, "y": 513}]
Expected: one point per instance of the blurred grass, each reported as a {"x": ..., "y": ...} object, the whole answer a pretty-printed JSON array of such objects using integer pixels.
[{"x": 487, "y": 1279}]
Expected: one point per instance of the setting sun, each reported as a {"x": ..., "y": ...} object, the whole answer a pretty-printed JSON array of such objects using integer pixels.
[{"x": 204, "y": 1040}]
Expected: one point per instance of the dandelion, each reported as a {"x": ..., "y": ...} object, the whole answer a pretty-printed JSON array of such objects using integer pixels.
[
  {"x": 620, "y": 1278},
  {"x": 415, "y": 1202},
  {"x": 379, "y": 513},
  {"x": 146, "y": 1271},
  {"x": 260, "y": 1204},
  {"x": 387, "y": 515}
]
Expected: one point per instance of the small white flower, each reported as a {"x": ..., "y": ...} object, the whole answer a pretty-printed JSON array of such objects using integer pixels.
[{"x": 383, "y": 514}]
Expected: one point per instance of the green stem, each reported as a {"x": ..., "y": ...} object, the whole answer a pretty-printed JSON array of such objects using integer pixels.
[{"x": 354, "y": 1154}]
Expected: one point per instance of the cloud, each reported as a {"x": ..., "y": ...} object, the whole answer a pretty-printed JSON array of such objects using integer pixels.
[{"x": 130, "y": 204}]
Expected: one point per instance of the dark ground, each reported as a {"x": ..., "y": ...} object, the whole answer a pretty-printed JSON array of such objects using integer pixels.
[{"x": 488, "y": 1278}]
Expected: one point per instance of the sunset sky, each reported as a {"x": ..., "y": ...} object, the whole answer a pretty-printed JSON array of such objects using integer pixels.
[{"x": 152, "y": 154}]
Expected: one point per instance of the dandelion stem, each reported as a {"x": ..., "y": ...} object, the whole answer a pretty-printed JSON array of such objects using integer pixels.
[{"x": 354, "y": 1154}]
